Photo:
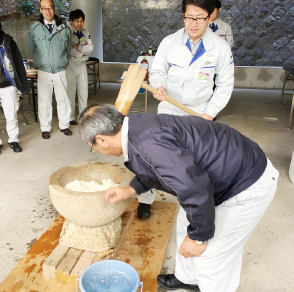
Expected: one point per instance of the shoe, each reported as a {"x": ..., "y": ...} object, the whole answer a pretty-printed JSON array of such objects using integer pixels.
[
  {"x": 66, "y": 132},
  {"x": 73, "y": 123},
  {"x": 45, "y": 135},
  {"x": 15, "y": 147},
  {"x": 144, "y": 211},
  {"x": 170, "y": 282},
  {"x": 1, "y": 146}
]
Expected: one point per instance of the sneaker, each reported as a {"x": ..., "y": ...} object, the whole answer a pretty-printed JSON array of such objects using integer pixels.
[{"x": 15, "y": 147}]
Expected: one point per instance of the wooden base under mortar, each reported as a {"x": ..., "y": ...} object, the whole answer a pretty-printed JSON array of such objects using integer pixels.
[
  {"x": 66, "y": 264},
  {"x": 143, "y": 248}
]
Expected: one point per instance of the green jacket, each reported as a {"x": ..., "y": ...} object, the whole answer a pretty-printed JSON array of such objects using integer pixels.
[{"x": 50, "y": 52}]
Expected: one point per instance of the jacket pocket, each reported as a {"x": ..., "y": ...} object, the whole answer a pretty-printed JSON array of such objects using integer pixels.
[
  {"x": 205, "y": 76},
  {"x": 39, "y": 41},
  {"x": 176, "y": 70},
  {"x": 62, "y": 44}
]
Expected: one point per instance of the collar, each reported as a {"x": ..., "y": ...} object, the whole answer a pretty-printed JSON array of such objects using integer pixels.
[
  {"x": 207, "y": 39},
  {"x": 53, "y": 22},
  {"x": 57, "y": 20},
  {"x": 187, "y": 37},
  {"x": 124, "y": 138},
  {"x": 215, "y": 22}
]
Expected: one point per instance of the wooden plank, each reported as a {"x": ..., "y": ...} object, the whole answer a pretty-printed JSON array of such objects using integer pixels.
[
  {"x": 52, "y": 262},
  {"x": 84, "y": 262},
  {"x": 66, "y": 265},
  {"x": 126, "y": 224},
  {"x": 127, "y": 217},
  {"x": 144, "y": 248},
  {"x": 147, "y": 240}
]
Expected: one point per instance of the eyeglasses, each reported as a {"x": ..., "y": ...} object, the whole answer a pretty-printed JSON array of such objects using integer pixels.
[
  {"x": 198, "y": 20},
  {"x": 47, "y": 9},
  {"x": 92, "y": 150},
  {"x": 78, "y": 21}
]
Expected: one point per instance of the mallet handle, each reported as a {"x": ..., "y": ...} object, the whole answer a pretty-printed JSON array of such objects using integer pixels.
[{"x": 170, "y": 100}]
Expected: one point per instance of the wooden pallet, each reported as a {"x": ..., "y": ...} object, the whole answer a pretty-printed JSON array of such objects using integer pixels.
[
  {"x": 66, "y": 264},
  {"x": 143, "y": 248}
]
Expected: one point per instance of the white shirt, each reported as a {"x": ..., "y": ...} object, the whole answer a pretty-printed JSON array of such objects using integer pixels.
[
  {"x": 124, "y": 138},
  {"x": 195, "y": 46},
  {"x": 53, "y": 23},
  {"x": 215, "y": 22}
]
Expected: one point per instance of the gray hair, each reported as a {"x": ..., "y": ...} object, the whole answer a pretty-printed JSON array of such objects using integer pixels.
[{"x": 99, "y": 120}]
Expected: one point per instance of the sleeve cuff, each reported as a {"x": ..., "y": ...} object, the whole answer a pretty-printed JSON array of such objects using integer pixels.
[{"x": 138, "y": 186}]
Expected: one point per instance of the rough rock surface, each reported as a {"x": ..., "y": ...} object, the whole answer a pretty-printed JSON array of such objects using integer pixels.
[
  {"x": 263, "y": 30},
  {"x": 95, "y": 239}
]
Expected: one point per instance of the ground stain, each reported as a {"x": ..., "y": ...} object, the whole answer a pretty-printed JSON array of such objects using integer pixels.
[
  {"x": 36, "y": 230},
  {"x": 164, "y": 270}
]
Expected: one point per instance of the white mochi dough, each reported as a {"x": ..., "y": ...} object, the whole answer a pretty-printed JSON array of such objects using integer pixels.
[{"x": 92, "y": 186}]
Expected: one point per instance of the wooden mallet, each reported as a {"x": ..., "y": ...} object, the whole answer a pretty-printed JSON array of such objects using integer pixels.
[{"x": 133, "y": 81}]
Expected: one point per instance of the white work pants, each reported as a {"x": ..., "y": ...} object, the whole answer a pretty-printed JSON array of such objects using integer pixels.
[
  {"x": 10, "y": 104},
  {"x": 165, "y": 107},
  {"x": 77, "y": 83},
  {"x": 46, "y": 83},
  {"x": 147, "y": 197},
  {"x": 218, "y": 268}
]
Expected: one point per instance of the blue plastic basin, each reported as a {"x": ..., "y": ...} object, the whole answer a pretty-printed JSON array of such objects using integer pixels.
[{"x": 88, "y": 281}]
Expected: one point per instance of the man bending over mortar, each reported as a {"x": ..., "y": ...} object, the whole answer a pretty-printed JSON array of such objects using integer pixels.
[{"x": 223, "y": 181}]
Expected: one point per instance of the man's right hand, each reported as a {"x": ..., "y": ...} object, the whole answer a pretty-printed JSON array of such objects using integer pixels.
[
  {"x": 161, "y": 93},
  {"x": 117, "y": 194}
]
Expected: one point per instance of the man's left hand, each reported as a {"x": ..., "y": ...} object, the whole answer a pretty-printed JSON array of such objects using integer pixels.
[
  {"x": 189, "y": 248},
  {"x": 207, "y": 117},
  {"x": 117, "y": 194}
]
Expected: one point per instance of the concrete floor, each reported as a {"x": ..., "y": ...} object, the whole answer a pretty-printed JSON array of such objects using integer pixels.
[{"x": 26, "y": 209}]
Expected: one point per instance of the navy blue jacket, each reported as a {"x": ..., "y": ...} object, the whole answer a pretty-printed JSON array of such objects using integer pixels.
[
  {"x": 13, "y": 54},
  {"x": 201, "y": 162}
]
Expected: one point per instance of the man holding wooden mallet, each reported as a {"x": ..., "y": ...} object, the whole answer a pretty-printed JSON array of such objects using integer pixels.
[
  {"x": 184, "y": 68},
  {"x": 223, "y": 181}
]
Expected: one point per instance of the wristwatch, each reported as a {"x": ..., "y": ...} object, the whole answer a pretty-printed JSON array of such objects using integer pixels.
[{"x": 199, "y": 242}]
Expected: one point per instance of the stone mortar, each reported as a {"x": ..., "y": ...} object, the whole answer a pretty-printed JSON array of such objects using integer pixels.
[{"x": 88, "y": 209}]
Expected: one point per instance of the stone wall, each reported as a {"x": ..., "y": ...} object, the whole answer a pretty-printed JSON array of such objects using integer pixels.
[
  {"x": 263, "y": 30},
  {"x": 7, "y": 7}
]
